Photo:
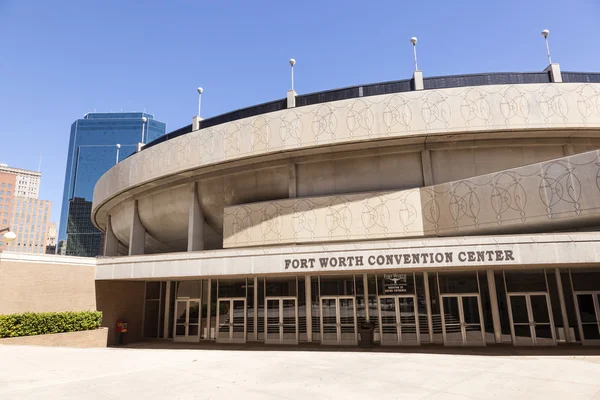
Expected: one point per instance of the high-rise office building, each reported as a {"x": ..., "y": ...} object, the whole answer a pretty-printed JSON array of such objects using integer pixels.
[
  {"x": 27, "y": 183},
  {"x": 97, "y": 142},
  {"x": 51, "y": 239},
  {"x": 22, "y": 211}
]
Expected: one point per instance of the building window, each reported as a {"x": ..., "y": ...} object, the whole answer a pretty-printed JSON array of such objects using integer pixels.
[{"x": 9, "y": 185}]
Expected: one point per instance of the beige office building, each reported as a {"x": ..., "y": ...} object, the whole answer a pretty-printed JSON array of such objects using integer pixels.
[
  {"x": 456, "y": 210},
  {"x": 27, "y": 183}
]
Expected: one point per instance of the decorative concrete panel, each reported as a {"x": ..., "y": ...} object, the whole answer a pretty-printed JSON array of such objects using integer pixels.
[
  {"x": 399, "y": 115},
  {"x": 559, "y": 193}
]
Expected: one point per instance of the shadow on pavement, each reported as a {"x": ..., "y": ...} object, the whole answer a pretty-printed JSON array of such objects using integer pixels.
[{"x": 490, "y": 350}]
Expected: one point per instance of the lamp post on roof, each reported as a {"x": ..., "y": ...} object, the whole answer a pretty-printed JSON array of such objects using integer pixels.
[
  {"x": 413, "y": 40},
  {"x": 292, "y": 63},
  {"x": 118, "y": 147},
  {"x": 144, "y": 120},
  {"x": 200, "y": 90},
  {"x": 545, "y": 34}
]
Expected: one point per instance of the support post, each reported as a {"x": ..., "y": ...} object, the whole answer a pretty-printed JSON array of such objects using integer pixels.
[
  {"x": 111, "y": 243},
  {"x": 491, "y": 280},
  {"x": 137, "y": 233},
  {"x": 554, "y": 70},
  {"x": 426, "y": 166},
  {"x": 256, "y": 308},
  {"x": 428, "y": 306},
  {"x": 208, "y": 307},
  {"x": 308, "y": 296},
  {"x": 167, "y": 310},
  {"x": 195, "y": 221},
  {"x": 563, "y": 306},
  {"x": 418, "y": 80},
  {"x": 366, "y": 292},
  {"x": 568, "y": 149},
  {"x": 291, "y": 98},
  {"x": 196, "y": 123},
  {"x": 292, "y": 183}
]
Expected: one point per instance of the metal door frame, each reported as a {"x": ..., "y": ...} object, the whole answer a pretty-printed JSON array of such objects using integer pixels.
[
  {"x": 396, "y": 298},
  {"x": 337, "y": 317},
  {"x": 461, "y": 313},
  {"x": 230, "y": 339},
  {"x": 266, "y": 312},
  {"x": 595, "y": 294},
  {"x": 527, "y": 296},
  {"x": 187, "y": 337}
]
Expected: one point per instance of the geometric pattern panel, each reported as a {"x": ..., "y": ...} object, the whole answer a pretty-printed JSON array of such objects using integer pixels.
[
  {"x": 417, "y": 113},
  {"x": 548, "y": 193}
]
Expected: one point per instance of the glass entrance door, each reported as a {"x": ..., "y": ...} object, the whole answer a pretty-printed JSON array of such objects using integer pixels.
[
  {"x": 462, "y": 320},
  {"x": 281, "y": 320},
  {"x": 398, "y": 322},
  {"x": 187, "y": 320},
  {"x": 531, "y": 319},
  {"x": 588, "y": 314},
  {"x": 338, "y": 320},
  {"x": 231, "y": 320}
]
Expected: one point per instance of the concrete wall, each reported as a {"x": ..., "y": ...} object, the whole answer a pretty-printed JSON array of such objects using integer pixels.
[
  {"x": 94, "y": 338},
  {"x": 121, "y": 301},
  {"x": 45, "y": 283}
]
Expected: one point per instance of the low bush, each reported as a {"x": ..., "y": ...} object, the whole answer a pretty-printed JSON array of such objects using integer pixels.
[{"x": 28, "y": 324}]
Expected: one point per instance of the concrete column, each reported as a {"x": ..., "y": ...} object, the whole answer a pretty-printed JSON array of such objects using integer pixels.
[
  {"x": 308, "y": 296},
  {"x": 291, "y": 98},
  {"x": 196, "y": 123},
  {"x": 426, "y": 166},
  {"x": 554, "y": 70},
  {"x": 428, "y": 306},
  {"x": 292, "y": 183},
  {"x": 111, "y": 243},
  {"x": 137, "y": 233},
  {"x": 491, "y": 280},
  {"x": 167, "y": 302},
  {"x": 208, "y": 307},
  {"x": 563, "y": 306},
  {"x": 366, "y": 292},
  {"x": 568, "y": 149},
  {"x": 256, "y": 308},
  {"x": 418, "y": 79},
  {"x": 195, "y": 221}
]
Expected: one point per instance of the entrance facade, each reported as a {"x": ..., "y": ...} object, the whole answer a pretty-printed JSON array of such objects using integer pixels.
[
  {"x": 281, "y": 320},
  {"x": 231, "y": 320},
  {"x": 187, "y": 320},
  {"x": 398, "y": 321},
  {"x": 406, "y": 309},
  {"x": 531, "y": 319},
  {"x": 338, "y": 321},
  {"x": 462, "y": 320}
]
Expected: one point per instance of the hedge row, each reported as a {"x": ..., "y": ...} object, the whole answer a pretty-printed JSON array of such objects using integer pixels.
[{"x": 28, "y": 324}]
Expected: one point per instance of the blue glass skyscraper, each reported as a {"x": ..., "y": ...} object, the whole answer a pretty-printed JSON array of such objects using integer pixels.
[{"x": 92, "y": 152}]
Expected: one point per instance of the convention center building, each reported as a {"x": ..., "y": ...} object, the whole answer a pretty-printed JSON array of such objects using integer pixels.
[{"x": 453, "y": 210}]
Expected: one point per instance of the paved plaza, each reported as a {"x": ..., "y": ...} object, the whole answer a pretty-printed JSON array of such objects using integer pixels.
[{"x": 213, "y": 372}]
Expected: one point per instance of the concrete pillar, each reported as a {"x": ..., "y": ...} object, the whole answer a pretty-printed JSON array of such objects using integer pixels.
[
  {"x": 428, "y": 306},
  {"x": 563, "y": 306},
  {"x": 554, "y": 70},
  {"x": 308, "y": 296},
  {"x": 366, "y": 292},
  {"x": 111, "y": 243},
  {"x": 137, "y": 233},
  {"x": 491, "y": 280},
  {"x": 167, "y": 302},
  {"x": 195, "y": 221},
  {"x": 208, "y": 307},
  {"x": 418, "y": 80},
  {"x": 292, "y": 183},
  {"x": 196, "y": 123},
  {"x": 426, "y": 166},
  {"x": 291, "y": 98},
  {"x": 568, "y": 149},
  {"x": 256, "y": 308}
]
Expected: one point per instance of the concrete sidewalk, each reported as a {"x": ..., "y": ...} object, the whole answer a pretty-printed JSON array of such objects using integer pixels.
[{"x": 214, "y": 373}]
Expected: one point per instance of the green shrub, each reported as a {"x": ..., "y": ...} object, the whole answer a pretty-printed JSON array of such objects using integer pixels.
[{"x": 28, "y": 324}]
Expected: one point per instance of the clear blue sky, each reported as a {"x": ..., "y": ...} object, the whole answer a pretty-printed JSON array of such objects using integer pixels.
[{"x": 59, "y": 60}]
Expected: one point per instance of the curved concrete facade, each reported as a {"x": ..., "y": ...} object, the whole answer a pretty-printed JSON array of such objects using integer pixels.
[{"x": 392, "y": 142}]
